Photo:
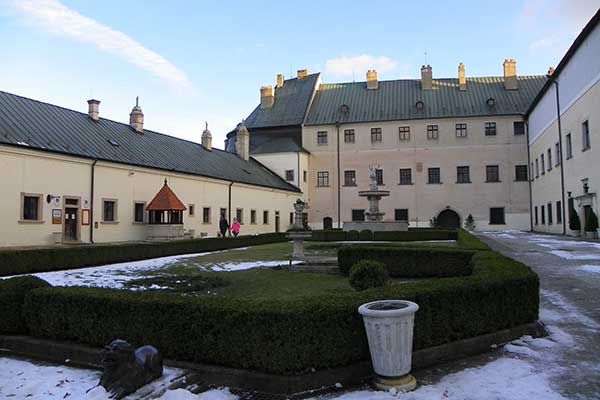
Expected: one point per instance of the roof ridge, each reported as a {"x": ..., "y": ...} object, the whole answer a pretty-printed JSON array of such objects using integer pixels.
[{"x": 434, "y": 79}]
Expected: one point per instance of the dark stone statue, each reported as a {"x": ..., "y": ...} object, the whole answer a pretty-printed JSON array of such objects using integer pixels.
[{"x": 126, "y": 370}]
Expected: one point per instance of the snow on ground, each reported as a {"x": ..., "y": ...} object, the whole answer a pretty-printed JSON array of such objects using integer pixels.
[
  {"x": 572, "y": 255},
  {"x": 590, "y": 268},
  {"x": 116, "y": 275}
]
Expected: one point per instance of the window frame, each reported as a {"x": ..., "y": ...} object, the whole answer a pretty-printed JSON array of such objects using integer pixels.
[
  {"x": 402, "y": 179},
  {"x": 144, "y": 213},
  {"x": 461, "y": 130},
  {"x": 490, "y": 170},
  {"x": 521, "y": 167},
  {"x": 542, "y": 164},
  {"x": 39, "y": 210},
  {"x": 399, "y": 211},
  {"x": 379, "y": 177},
  {"x": 290, "y": 173},
  {"x": 433, "y": 132},
  {"x": 252, "y": 216},
  {"x": 404, "y": 133},
  {"x": 322, "y": 138},
  {"x": 559, "y": 212},
  {"x": 459, "y": 174},
  {"x": 585, "y": 135},
  {"x": 549, "y": 208},
  {"x": 239, "y": 215},
  {"x": 376, "y": 135},
  {"x": 521, "y": 125},
  {"x": 265, "y": 217},
  {"x": 569, "y": 146},
  {"x": 349, "y": 134},
  {"x": 549, "y": 156},
  {"x": 490, "y": 128},
  {"x": 536, "y": 215},
  {"x": 503, "y": 219},
  {"x": 115, "y": 219},
  {"x": 322, "y": 178},
  {"x": 356, "y": 210},
  {"x": 191, "y": 210},
  {"x": 206, "y": 219},
  {"x": 352, "y": 174},
  {"x": 439, "y": 175},
  {"x": 557, "y": 154}
]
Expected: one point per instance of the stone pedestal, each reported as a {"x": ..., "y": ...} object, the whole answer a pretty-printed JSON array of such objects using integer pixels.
[
  {"x": 162, "y": 232},
  {"x": 298, "y": 240}
]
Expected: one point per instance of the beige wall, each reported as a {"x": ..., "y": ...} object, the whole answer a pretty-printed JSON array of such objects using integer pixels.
[
  {"x": 25, "y": 171},
  {"x": 423, "y": 200},
  {"x": 281, "y": 162}
]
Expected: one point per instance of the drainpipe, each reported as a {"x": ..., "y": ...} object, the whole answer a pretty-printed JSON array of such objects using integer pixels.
[
  {"x": 229, "y": 204},
  {"x": 337, "y": 127},
  {"x": 562, "y": 171},
  {"x": 298, "y": 169},
  {"x": 92, "y": 202},
  {"x": 529, "y": 179}
]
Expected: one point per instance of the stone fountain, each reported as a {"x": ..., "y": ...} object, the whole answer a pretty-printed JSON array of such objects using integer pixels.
[
  {"x": 374, "y": 218},
  {"x": 298, "y": 232}
]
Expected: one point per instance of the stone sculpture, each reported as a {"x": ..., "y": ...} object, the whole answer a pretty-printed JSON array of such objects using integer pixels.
[{"x": 126, "y": 370}]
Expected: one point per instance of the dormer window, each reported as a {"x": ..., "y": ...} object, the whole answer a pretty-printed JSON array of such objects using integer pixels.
[
  {"x": 419, "y": 105},
  {"x": 491, "y": 102}
]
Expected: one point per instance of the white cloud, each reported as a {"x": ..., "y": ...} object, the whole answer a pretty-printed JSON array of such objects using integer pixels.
[
  {"x": 58, "y": 19},
  {"x": 358, "y": 65}
]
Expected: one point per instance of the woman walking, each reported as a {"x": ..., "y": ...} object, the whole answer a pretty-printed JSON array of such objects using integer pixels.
[
  {"x": 223, "y": 225},
  {"x": 235, "y": 227}
]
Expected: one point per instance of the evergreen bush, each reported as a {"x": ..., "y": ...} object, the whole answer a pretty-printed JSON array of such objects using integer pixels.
[
  {"x": 591, "y": 222},
  {"x": 367, "y": 274},
  {"x": 352, "y": 235},
  {"x": 574, "y": 223},
  {"x": 12, "y": 297},
  {"x": 470, "y": 223},
  {"x": 365, "y": 234}
]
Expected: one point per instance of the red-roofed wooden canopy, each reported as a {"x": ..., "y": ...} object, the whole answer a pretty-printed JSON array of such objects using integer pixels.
[{"x": 166, "y": 200}]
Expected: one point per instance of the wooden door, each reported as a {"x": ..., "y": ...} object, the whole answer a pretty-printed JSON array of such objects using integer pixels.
[{"x": 71, "y": 221}]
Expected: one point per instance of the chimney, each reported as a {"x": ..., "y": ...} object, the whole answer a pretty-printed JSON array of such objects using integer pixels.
[
  {"x": 280, "y": 80},
  {"x": 242, "y": 142},
  {"x": 302, "y": 73},
  {"x": 267, "y": 96},
  {"x": 462, "y": 80},
  {"x": 550, "y": 71},
  {"x": 207, "y": 138},
  {"x": 510, "y": 75},
  {"x": 136, "y": 118},
  {"x": 372, "y": 83},
  {"x": 93, "y": 111},
  {"x": 426, "y": 77}
]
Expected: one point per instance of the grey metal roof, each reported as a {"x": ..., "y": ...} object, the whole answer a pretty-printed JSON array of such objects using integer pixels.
[
  {"x": 36, "y": 125},
  {"x": 291, "y": 103},
  {"x": 396, "y": 100}
]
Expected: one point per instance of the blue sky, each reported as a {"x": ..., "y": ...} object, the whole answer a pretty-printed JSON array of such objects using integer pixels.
[{"x": 193, "y": 61}]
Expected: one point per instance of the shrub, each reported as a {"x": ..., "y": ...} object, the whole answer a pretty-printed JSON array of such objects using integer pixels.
[
  {"x": 591, "y": 222},
  {"x": 59, "y": 258},
  {"x": 404, "y": 262},
  {"x": 415, "y": 235},
  {"x": 367, "y": 274},
  {"x": 352, "y": 235},
  {"x": 470, "y": 223},
  {"x": 12, "y": 297},
  {"x": 365, "y": 234},
  {"x": 286, "y": 335},
  {"x": 469, "y": 241},
  {"x": 574, "y": 223},
  {"x": 328, "y": 235}
]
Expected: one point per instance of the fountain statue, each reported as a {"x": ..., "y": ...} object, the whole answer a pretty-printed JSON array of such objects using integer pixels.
[
  {"x": 374, "y": 218},
  {"x": 298, "y": 232}
]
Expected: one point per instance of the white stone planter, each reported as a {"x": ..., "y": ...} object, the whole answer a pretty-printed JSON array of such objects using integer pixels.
[{"x": 389, "y": 326}]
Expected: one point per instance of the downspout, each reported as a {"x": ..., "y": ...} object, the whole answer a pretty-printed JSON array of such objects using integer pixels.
[
  {"x": 529, "y": 179},
  {"x": 92, "y": 202},
  {"x": 229, "y": 204},
  {"x": 337, "y": 126},
  {"x": 562, "y": 171},
  {"x": 298, "y": 153}
]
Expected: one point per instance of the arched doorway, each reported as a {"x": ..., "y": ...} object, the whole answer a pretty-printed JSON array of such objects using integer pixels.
[
  {"x": 448, "y": 219},
  {"x": 327, "y": 223}
]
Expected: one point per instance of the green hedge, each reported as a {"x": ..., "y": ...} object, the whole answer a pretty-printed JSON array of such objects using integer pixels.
[
  {"x": 416, "y": 235},
  {"x": 365, "y": 235},
  {"x": 290, "y": 335},
  {"x": 403, "y": 262},
  {"x": 468, "y": 241},
  {"x": 328, "y": 235},
  {"x": 12, "y": 297},
  {"x": 14, "y": 262}
]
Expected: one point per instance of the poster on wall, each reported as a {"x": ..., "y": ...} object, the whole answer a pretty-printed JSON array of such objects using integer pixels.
[
  {"x": 56, "y": 216},
  {"x": 85, "y": 217}
]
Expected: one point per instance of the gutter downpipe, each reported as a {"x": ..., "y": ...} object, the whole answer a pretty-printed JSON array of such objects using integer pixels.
[
  {"x": 562, "y": 171},
  {"x": 337, "y": 127},
  {"x": 229, "y": 204},
  {"x": 530, "y": 180},
  {"x": 92, "y": 202}
]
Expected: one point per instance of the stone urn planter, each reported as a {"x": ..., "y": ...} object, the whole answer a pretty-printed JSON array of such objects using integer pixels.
[{"x": 389, "y": 326}]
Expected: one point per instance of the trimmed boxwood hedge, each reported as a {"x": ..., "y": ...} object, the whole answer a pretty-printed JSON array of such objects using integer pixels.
[
  {"x": 401, "y": 262},
  {"x": 413, "y": 234},
  {"x": 14, "y": 262},
  {"x": 365, "y": 235},
  {"x": 12, "y": 297},
  {"x": 468, "y": 241},
  {"x": 290, "y": 335},
  {"x": 328, "y": 235}
]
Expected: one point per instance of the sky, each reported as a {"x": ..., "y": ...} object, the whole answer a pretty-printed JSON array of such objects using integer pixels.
[{"x": 196, "y": 61}]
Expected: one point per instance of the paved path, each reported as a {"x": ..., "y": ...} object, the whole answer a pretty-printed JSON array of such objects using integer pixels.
[{"x": 569, "y": 271}]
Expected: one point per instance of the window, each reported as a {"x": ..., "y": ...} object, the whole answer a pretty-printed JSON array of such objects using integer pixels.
[
  {"x": 535, "y": 214},
  {"x": 531, "y": 172},
  {"x": 358, "y": 215},
  {"x": 462, "y": 175},
  {"x": 109, "y": 210},
  {"x": 289, "y": 175},
  {"x": 349, "y": 178},
  {"x": 405, "y": 176},
  {"x": 519, "y": 127},
  {"x": 585, "y": 135},
  {"x": 304, "y": 176},
  {"x": 557, "y": 154},
  {"x": 401, "y": 214},
  {"x": 31, "y": 207},
  {"x": 291, "y": 218},
  {"x": 206, "y": 215},
  {"x": 549, "y": 207},
  {"x": 489, "y": 128},
  {"x": 543, "y": 215},
  {"x": 376, "y": 135},
  {"x": 322, "y": 178},
  {"x": 322, "y": 138},
  {"x": 520, "y": 173},
  {"x": 549, "y": 153},
  {"x": 265, "y": 217},
  {"x": 558, "y": 212},
  {"x": 497, "y": 216},
  {"x": 404, "y": 133},
  {"x": 239, "y": 214},
  {"x": 492, "y": 174},
  {"x": 191, "y": 210},
  {"x": 349, "y": 135},
  {"x": 138, "y": 211},
  {"x": 432, "y": 132},
  {"x": 542, "y": 165},
  {"x": 537, "y": 168},
  {"x": 461, "y": 130},
  {"x": 379, "y": 176},
  {"x": 253, "y": 217},
  {"x": 569, "y": 146},
  {"x": 433, "y": 175}
]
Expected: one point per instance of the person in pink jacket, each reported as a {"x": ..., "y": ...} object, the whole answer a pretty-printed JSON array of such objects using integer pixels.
[{"x": 235, "y": 227}]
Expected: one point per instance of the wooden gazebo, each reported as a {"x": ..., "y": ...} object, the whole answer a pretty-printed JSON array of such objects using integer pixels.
[{"x": 165, "y": 213}]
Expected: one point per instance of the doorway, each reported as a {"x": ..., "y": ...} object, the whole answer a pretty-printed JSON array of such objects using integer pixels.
[
  {"x": 448, "y": 219},
  {"x": 277, "y": 221},
  {"x": 327, "y": 223},
  {"x": 71, "y": 220}
]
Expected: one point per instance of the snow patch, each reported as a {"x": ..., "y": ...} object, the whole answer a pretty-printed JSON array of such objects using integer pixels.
[
  {"x": 570, "y": 255},
  {"x": 590, "y": 268}
]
